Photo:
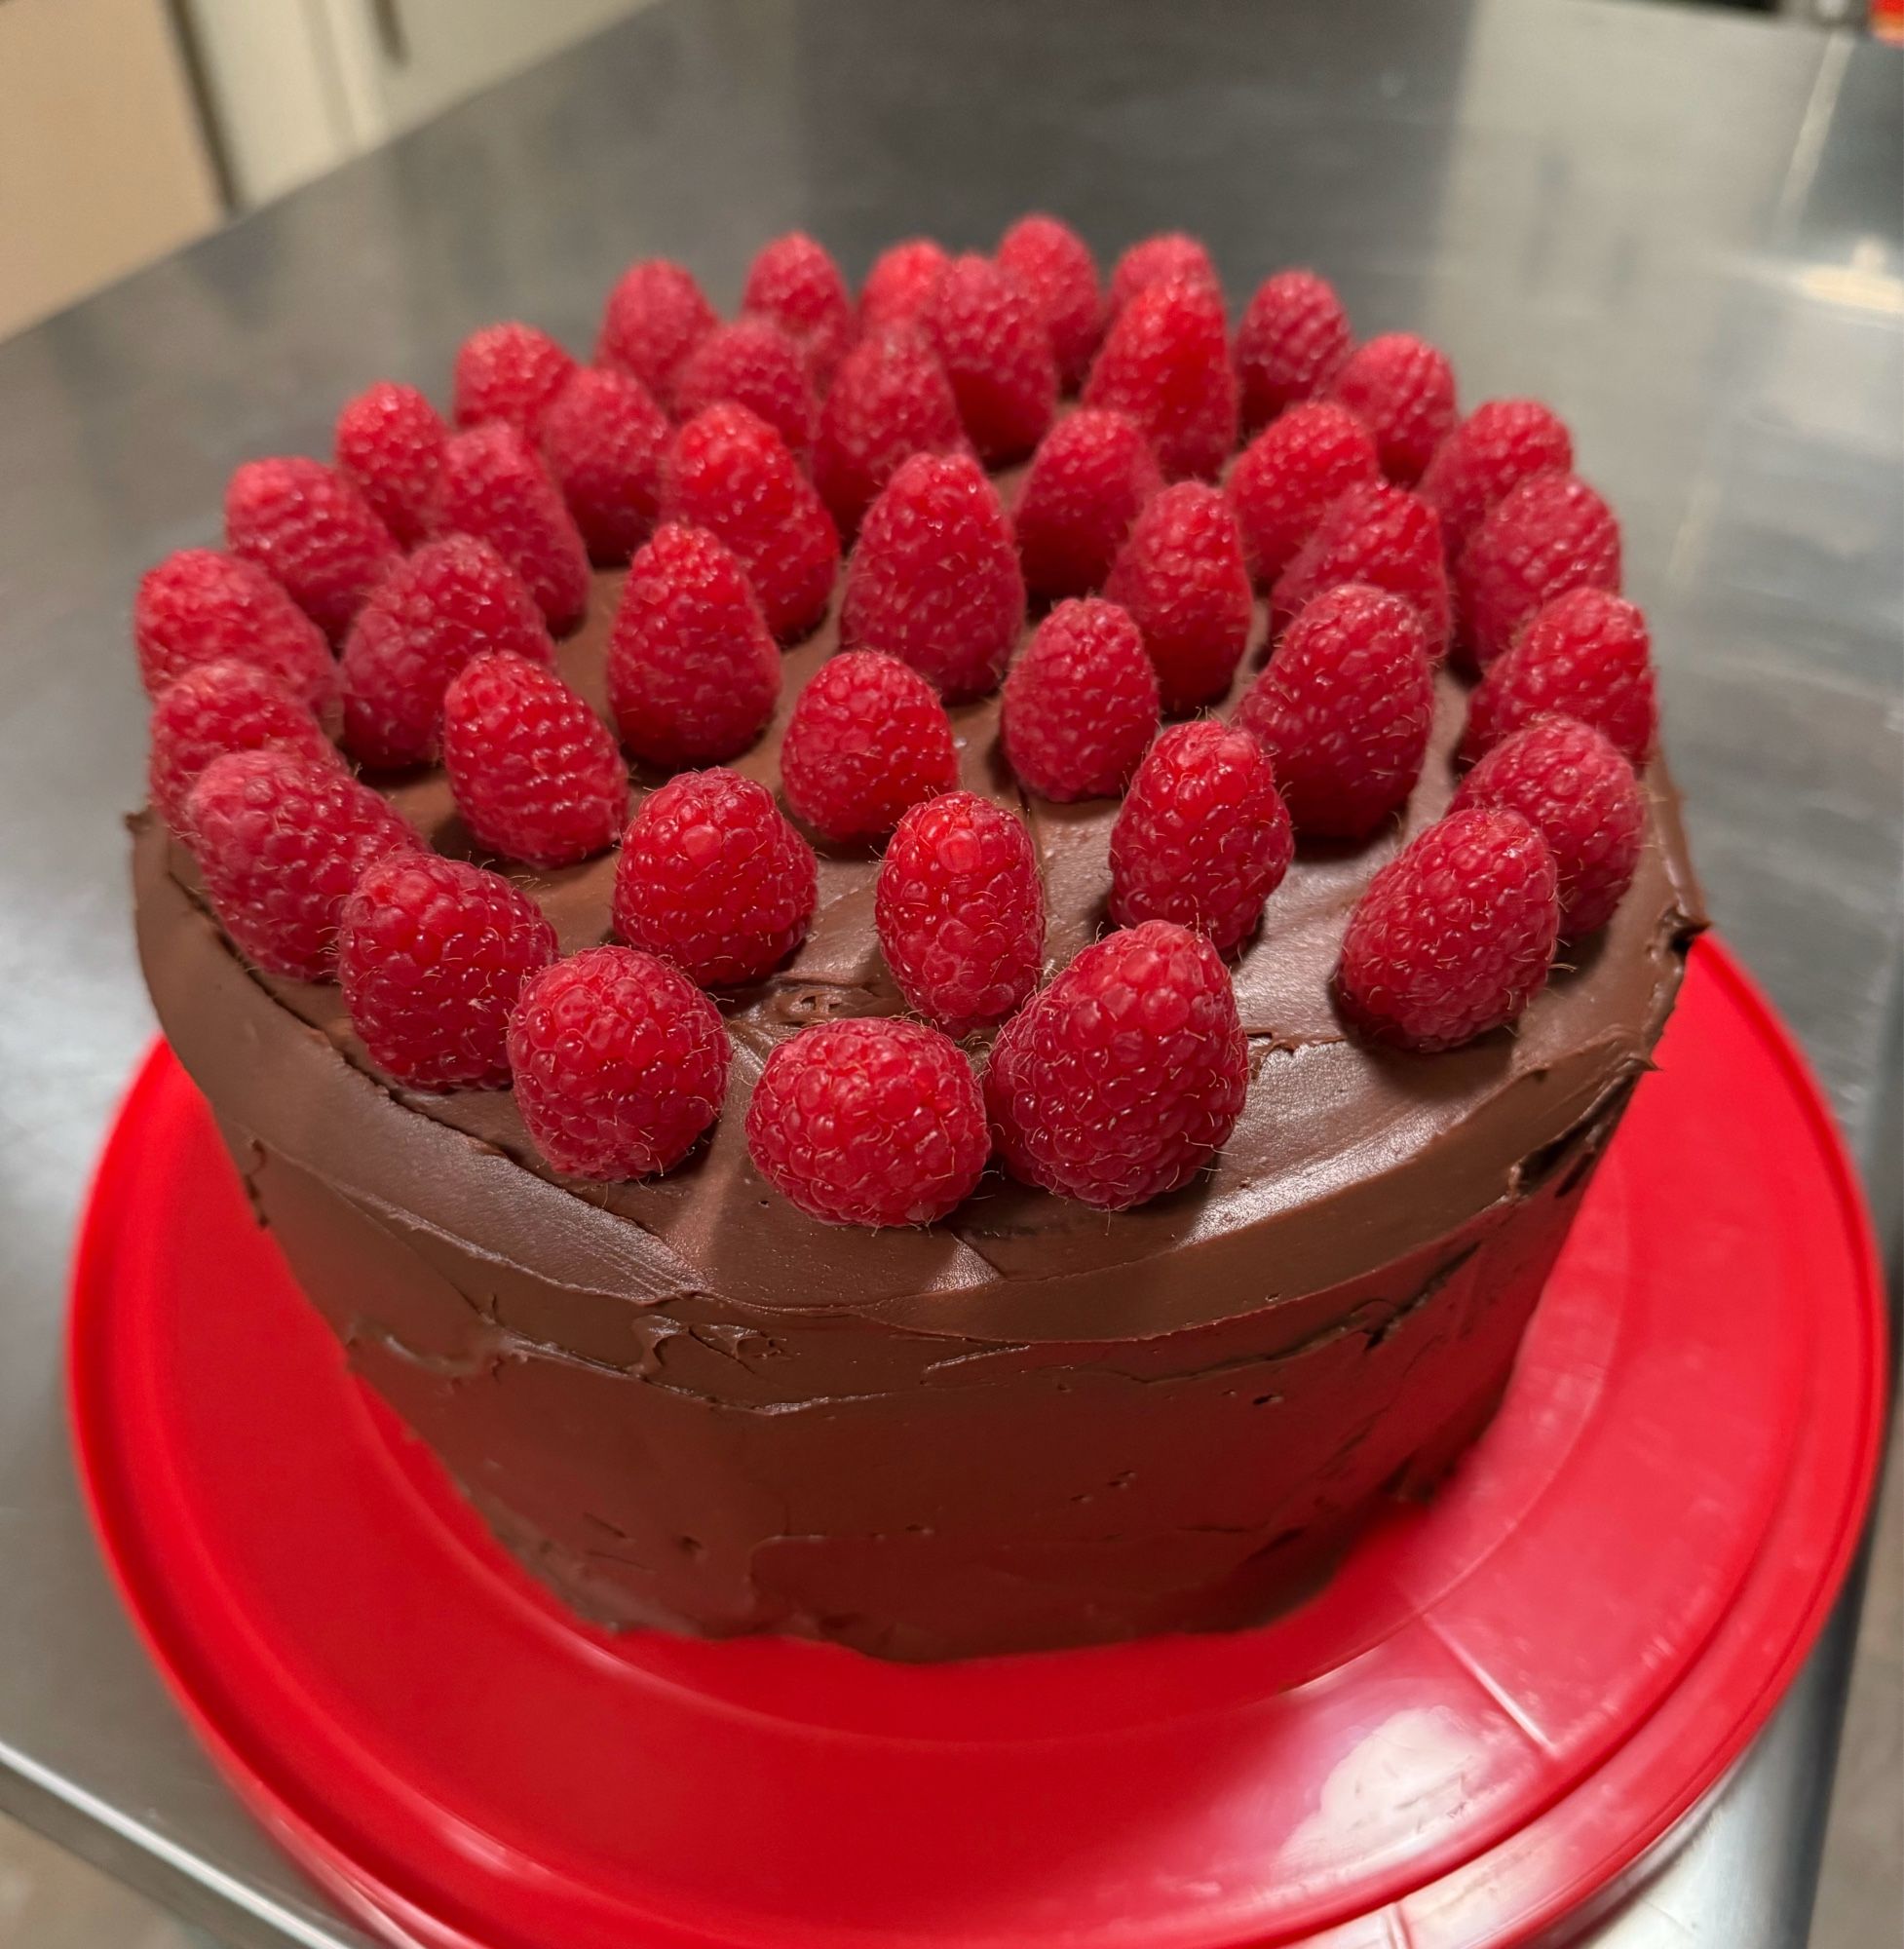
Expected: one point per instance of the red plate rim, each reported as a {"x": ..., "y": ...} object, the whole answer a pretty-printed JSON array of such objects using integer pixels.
[{"x": 1487, "y": 1889}]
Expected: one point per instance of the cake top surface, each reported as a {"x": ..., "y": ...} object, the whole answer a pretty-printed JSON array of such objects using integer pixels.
[{"x": 1345, "y": 1152}]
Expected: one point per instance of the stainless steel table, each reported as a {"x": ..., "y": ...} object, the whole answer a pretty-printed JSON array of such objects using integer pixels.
[{"x": 1682, "y": 228}]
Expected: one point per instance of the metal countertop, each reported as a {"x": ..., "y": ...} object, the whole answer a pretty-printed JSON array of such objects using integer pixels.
[{"x": 1682, "y": 228}]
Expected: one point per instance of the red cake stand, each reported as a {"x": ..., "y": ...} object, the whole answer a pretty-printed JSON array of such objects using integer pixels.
[{"x": 1496, "y": 1707}]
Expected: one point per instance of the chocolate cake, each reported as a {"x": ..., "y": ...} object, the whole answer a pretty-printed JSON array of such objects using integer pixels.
[{"x": 682, "y": 1401}]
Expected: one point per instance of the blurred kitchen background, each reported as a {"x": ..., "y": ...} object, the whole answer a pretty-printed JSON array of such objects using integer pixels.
[{"x": 131, "y": 126}]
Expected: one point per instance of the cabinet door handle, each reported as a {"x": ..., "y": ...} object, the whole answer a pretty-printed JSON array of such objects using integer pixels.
[{"x": 388, "y": 19}]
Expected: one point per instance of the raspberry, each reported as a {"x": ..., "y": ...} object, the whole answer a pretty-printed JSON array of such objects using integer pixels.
[
  {"x": 281, "y": 840},
  {"x": 1156, "y": 260},
  {"x": 868, "y": 737},
  {"x": 1166, "y": 363},
  {"x": 1454, "y": 935},
  {"x": 218, "y": 708},
  {"x": 1586, "y": 655},
  {"x": 693, "y": 674},
  {"x": 655, "y": 317},
  {"x": 536, "y": 777},
  {"x": 1494, "y": 450},
  {"x": 1292, "y": 341},
  {"x": 388, "y": 442},
  {"x": 712, "y": 878},
  {"x": 934, "y": 578},
  {"x": 1204, "y": 838},
  {"x": 1081, "y": 703},
  {"x": 795, "y": 283},
  {"x": 1181, "y": 575},
  {"x": 450, "y": 601},
  {"x": 1379, "y": 534},
  {"x": 730, "y": 473},
  {"x": 199, "y": 606},
  {"x": 508, "y": 372},
  {"x": 960, "y": 911},
  {"x": 869, "y": 1122},
  {"x": 604, "y": 441},
  {"x": 990, "y": 335},
  {"x": 1551, "y": 534},
  {"x": 900, "y": 283},
  {"x": 1580, "y": 795},
  {"x": 890, "y": 399},
  {"x": 1405, "y": 389},
  {"x": 1287, "y": 476},
  {"x": 432, "y": 954},
  {"x": 1345, "y": 710},
  {"x": 1055, "y": 265},
  {"x": 758, "y": 366},
  {"x": 308, "y": 528},
  {"x": 1091, "y": 476},
  {"x": 1125, "y": 1075},
  {"x": 493, "y": 486},
  {"x": 620, "y": 1063}
]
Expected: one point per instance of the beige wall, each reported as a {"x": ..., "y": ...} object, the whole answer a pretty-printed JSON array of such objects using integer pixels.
[{"x": 101, "y": 167}]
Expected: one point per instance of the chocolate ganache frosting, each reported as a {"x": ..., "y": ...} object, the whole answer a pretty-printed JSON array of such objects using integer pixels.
[{"x": 682, "y": 1402}]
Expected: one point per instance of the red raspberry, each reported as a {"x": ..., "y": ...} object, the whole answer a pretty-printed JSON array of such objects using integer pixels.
[
  {"x": 712, "y": 878},
  {"x": 1292, "y": 341},
  {"x": 432, "y": 954},
  {"x": 869, "y": 1122},
  {"x": 730, "y": 471},
  {"x": 757, "y": 363},
  {"x": 1286, "y": 476},
  {"x": 1379, "y": 534},
  {"x": 1345, "y": 710},
  {"x": 1055, "y": 265},
  {"x": 990, "y": 335},
  {"x": 218, "y": 708},
  {"x": 693, "y": 672},
  {"x": 1204, "y": 838},
  {"x": 305, "y": 525},
  {"x": 960, "y": 911},
  {"x": 1454, "y": 935},
  {"x": 655, "y": 317},
  {"x": 1166, "y": 364},
  {"x": 620, "y": 1063},
  {"x": 1580, "y": 795},
  {"x": 890, "y": 399},
  {"x": 1125, "y": 1077},
  {"x": 1551, "y": 534},
  {"x": 536, "y": 777},
  {"x": 1494, "y": 450},
  {"x": 868, "y": 737},
  {"x": 901, "y": 284},
  {"x": 199, "y": 606},
  {"x": 450, "y": 601},
  {"x": 493, "y": 486},
  {"x": 388, "y": 442},
  {"x": 1081, "y": 703},
  {"x": 281, "y": 840},
  {"x": 934, "y": 578},
  {"x": 1156, "y": 260},
  {"x": 1585, "y": 655},
  {"x": 1091, "y": 476},
  {"x": 1405, "y": 389},
  {"x": 508, "y": 372},
  {"x": 1181, "y": 575},
  {"x": 795, "y": 281},
  {"x": 604, "y": 441}
]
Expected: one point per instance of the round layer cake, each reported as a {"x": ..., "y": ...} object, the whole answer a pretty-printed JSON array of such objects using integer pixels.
[{"x": 684, "y": 1403}]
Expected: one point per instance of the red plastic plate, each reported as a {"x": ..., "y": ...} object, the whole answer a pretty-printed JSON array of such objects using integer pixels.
[{"x": 1498, "y": 1703}]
